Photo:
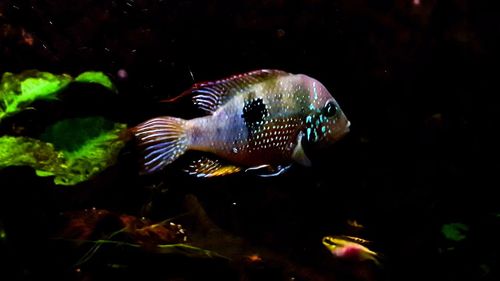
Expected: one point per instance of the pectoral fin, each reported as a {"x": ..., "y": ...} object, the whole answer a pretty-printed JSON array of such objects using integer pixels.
[
  {"x": 268, "y": 170},
  {"x": 206, "y": 167},
  {"x": 298, "y": 154}
]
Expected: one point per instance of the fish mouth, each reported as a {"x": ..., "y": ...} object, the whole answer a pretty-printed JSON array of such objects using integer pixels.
[{"x": 347, "y": 127}]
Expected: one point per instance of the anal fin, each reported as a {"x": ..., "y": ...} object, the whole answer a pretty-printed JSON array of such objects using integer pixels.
[{"x": 206, "y": 167}]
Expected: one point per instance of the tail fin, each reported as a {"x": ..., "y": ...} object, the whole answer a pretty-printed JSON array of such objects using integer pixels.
[{"x": 163, "y": 140}]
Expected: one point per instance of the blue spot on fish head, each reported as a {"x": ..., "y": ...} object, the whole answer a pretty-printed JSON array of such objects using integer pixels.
[{"x": 325, "y": 122}]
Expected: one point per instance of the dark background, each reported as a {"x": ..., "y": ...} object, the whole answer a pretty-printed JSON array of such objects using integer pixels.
[{"x": 417, "y": 79}]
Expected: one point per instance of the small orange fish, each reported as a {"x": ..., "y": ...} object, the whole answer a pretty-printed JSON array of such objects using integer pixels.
[
  {"x": 255, "y": 258},
  {"x": 255, "y": 121}
]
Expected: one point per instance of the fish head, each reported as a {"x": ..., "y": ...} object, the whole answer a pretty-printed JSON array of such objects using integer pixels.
[
  {"x": 333, "y": 243},
  {"x": 330, "y": 243},
  {"x": 325, "y": 121}
]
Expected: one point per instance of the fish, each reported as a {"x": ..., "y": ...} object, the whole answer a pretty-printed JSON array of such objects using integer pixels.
[
  {"x": 258, "y": 121},
  {"x": 354, "y": 224},
  {"x": 350, "y": 248}
]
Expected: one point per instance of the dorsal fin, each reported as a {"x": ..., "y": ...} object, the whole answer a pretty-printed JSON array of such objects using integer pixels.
[
  {"x": 208, "y": 96},
  {"x": 357, "y": 239}
]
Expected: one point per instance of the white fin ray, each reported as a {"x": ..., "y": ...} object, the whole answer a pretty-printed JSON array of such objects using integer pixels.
[{"x": 163, "y": 140}]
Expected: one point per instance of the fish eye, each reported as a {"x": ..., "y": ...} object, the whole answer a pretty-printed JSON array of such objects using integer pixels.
[{"x": 330, "y": 109}]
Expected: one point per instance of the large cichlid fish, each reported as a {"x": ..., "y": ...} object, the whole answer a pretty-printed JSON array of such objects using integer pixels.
[{"x": 254, "y": 121}]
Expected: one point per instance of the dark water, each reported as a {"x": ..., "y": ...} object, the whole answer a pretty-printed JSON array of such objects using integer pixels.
[{"x": 417, "y": 79}]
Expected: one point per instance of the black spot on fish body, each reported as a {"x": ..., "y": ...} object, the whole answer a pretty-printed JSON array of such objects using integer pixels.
[{"x": 254, "y": 113}]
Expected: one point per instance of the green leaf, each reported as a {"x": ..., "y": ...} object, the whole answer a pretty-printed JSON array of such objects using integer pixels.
[
  {"x": 455, "y": 231},
  {"x": 72, "y": 150},
  {"x": 95, "y": 77},
  {"x": 19, "y": 91},
  {"x": 71, "y": 134},
  {"x": 24, "y": 151}
]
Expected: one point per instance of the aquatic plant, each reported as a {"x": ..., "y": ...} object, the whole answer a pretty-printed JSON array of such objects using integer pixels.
[
  {"x": 19, "y": 91},
  {"x": 95, "y": 77},
  {"x": 455, "y": 231},
  {"x": 122, "y": 231},
  {"x": 71, "y": 150},
  {"x": 24, "y": 151}
]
